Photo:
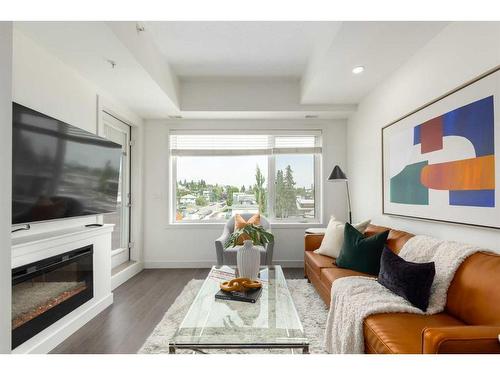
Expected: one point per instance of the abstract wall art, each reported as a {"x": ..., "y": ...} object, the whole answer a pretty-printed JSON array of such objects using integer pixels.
[{"x": 441, "y": 161}]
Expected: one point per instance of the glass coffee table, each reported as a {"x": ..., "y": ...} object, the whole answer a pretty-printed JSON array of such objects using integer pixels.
[{"x": 270, "y": 323}]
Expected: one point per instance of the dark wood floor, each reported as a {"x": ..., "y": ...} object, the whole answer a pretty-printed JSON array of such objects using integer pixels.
[{"x": 139, "y": 304}]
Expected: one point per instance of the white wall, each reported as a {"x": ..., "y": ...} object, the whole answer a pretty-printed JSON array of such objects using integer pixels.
[
  {"x": 167, "y": 245},
  {"x": 237, "y": 94},
  {"x": 46, "y": 84},
  {"x": 459, "y": 53},
  {"x": 253, "y": 98},
  {"x": 42, "y": 82},
  {"x": 5, "y": 186}
]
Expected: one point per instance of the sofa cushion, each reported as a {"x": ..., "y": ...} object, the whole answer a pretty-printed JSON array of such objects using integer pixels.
[
  {"x": 361, "y": 253},
  {"x": 334, "y": 237},
  {"x": 410, "y": 280},
  {"x": 318, "y": 261},
  {"x": 474, "y": 293},
  {"x": 240, "y": 223},
  {"x": 334, "y": 273},
  {"x": 401, "y": 332}
]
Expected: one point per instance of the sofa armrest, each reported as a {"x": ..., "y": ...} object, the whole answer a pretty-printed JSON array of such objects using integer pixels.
[
  {"x": 312, "y": 241},
  {"x": 460, "y": 339},
  {"x": 219, "y": 246},
  {"x": 269, "y": 253},
  {"x": 223, "y": 238}
]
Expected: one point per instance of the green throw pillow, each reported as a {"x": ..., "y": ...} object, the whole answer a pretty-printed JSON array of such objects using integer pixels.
[{"x": 359, "y": 253}]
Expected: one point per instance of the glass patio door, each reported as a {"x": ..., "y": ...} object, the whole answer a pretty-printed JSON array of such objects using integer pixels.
[{"x": 119, "y": 132}]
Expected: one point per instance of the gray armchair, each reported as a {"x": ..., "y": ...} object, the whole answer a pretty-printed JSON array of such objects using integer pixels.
[{"x": 228, "y": 256}]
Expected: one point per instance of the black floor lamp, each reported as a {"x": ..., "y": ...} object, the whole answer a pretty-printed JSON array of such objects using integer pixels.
[{"x": 339, "y": 175}]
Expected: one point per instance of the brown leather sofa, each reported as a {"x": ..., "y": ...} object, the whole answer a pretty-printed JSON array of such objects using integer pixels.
[{"x": 469, "y": 324}]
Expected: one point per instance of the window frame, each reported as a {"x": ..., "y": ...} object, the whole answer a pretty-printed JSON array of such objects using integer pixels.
[{"x": 271, "y": 196}]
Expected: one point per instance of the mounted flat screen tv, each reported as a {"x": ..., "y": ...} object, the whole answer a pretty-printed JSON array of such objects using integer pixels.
[{"x": 60, "y": 171}]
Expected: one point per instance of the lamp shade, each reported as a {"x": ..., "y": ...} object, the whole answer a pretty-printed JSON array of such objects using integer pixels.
[{"x": 337, "y": 174}]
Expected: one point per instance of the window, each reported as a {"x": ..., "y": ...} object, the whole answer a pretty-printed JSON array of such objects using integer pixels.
[{"x": 218, "y": 175}]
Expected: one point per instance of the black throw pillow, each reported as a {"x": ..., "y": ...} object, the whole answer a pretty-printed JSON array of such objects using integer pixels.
[
  {"x": 359, "y": 253},
  {"x": 412, "y": 281}
]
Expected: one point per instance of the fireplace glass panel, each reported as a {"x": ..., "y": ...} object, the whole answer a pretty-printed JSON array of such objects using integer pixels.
[{"x": 45, "y": 291}]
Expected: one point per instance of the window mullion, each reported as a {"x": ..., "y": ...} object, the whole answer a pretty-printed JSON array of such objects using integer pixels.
[
  {"x": 173, "y": 195},
  {"x": 318, "y": 190},
  {"x": 271, "y": 185}
]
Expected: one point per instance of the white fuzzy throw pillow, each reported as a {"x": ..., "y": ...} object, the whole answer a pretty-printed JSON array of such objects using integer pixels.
[{"x": 334, "y": 237}]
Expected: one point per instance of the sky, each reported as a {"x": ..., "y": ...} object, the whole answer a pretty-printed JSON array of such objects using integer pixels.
[{"x": 240, "y": 170}]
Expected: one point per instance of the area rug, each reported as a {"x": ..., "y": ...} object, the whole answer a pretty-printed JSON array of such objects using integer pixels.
[{"x": 311, "y": 309}]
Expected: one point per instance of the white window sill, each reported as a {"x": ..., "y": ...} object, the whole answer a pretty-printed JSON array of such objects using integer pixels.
[{"x": 212, "y": 226}]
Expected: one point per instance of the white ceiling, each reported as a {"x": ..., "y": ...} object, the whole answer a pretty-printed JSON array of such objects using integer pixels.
[
  {"x": 240, "y": 69},
  {"x": 87, "y": 47},
  {"x": 381, "y": 47},
  {"x": 240, "y": 48}
]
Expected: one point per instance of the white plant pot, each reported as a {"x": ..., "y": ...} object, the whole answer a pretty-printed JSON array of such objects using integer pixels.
[{"x": 248, "y": 260}]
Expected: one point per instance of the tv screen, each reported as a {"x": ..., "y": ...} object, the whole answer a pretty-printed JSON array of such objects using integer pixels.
[{"x": 60, "y": 171}]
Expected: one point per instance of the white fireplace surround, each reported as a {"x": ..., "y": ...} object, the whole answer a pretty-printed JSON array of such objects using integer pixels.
[{"x": 32, "y": 248}]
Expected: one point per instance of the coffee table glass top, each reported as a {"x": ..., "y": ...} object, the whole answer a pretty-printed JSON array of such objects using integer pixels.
[{"x": 271, "y": 321}]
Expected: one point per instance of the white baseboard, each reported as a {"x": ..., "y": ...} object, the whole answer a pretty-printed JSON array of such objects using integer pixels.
[
  {"x": 209, "y": 264},
  {"x": 52, "y": 336},
  {"x": 125, "y": 274},
  {"x": 179, "y": 264}
]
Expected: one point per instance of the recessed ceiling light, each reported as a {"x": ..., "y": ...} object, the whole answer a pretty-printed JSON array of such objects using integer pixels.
[{"x": 358, "y": 69}]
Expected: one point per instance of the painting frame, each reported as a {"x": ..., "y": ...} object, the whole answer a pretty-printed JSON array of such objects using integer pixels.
[{"x": 419, "y": 110}]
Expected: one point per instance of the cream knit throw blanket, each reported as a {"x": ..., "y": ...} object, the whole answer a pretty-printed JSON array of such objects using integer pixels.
[{"x": 355, "y": 298}]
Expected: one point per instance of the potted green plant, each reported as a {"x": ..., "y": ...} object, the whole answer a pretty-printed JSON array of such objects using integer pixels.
[{"x": 248, "y": 256}]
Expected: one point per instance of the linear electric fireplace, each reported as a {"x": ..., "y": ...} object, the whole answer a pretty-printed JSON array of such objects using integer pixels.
[{"x": 45, "y": 291}]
